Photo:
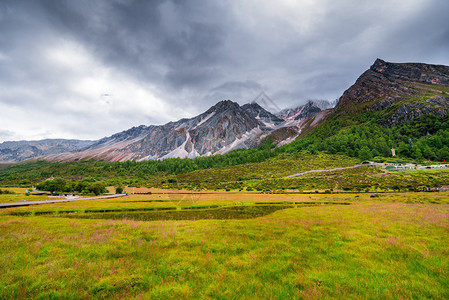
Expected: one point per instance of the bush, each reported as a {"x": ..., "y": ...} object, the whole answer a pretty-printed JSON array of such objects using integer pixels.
[
  {"x": 96, "y": 188},
  {"x": 6, "y": 192}
]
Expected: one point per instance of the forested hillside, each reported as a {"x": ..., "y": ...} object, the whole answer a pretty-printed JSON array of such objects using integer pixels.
[
  {"x": 426, "y": 137},
  {"x": 391, "y": 106}
]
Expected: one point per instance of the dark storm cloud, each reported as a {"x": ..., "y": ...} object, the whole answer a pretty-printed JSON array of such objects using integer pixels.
[
  {"x": 161, "y": 60},
  {"x": 174, "y": 44}
]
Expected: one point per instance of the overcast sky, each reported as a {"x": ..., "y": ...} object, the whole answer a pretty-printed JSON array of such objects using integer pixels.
[{"x": 87, "y": 69}]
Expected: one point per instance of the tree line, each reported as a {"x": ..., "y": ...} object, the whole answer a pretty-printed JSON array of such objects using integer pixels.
[{"x": 424, "y": 138}]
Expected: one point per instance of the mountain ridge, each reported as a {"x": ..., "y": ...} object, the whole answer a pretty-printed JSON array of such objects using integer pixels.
[
  {"x": 403, "y": 90},
  {"x": 387, "y": 94},
  {"x": 401, "y": 106},
  {"x": 14, "y": 151},
  {"x": 223, "y": 127}
]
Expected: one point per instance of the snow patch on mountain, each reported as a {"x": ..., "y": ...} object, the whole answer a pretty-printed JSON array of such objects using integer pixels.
[
  {"x": 240, "y": 143},
  {"x": 204, "y": 120},
  {"x": 181, "y": 151}
]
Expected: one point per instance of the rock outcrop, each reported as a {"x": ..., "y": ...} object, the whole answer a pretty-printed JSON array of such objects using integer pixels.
[{"x": 404, "y": 90}]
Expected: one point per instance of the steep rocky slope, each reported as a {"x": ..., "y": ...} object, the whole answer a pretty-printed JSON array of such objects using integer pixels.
[
  {"x": 309, "y": 109},
  {"x": 388, "y": 94},
  {"x": 299, "y": 120},
  {"x": 401, "y": 106},
  {"x": 402, "y": 91},
  {"x": 224, "y": 127}
]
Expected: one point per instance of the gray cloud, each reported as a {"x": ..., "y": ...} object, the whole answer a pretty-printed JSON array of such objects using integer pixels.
[
  {"x": 162, "y": 60},
  {"x": 242, "y": 90},
  {"x": 5, "y": 134}
]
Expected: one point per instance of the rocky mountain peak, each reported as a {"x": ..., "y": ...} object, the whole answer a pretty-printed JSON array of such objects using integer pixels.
[
  {"x": 223, "y": 127},
  {"x": 404, "y": 90},
  {"x": 310, "y": 108},
  {"x": 254, "y": 105},
  {"x": 257, "y": 111},
  {"x": 417, "y": 72},
  {"x": 378, "y": 65},
  {"x": 224, "y": 105},
  {"x": 392, "y": 81}
]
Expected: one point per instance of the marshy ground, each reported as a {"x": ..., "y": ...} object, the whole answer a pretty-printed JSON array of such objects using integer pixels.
[{"x": 229, "y": 245}]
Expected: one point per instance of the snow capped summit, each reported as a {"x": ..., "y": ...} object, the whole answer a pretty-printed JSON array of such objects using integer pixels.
[
  {"x": 311, "y": 108},
  {"x": 223, "y": 127}
]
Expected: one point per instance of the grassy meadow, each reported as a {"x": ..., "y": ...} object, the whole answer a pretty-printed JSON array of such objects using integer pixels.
[{"x": 228, "y": 245}]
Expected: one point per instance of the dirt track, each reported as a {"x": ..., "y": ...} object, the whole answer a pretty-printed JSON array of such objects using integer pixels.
[{"x": 330, "y": 170}]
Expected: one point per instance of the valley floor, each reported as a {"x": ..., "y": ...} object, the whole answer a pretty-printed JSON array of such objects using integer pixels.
[{"x": 229, "y": 245}]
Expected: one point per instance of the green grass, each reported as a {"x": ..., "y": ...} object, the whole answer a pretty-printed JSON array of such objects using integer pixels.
[
  {"x": 234, "y": 176},
  {"x": 270, "y": 177},
  {"x": 393, "y": 247},
  {"x": 267, "y": 175},
  {"x": 359, "y": 179},
  {"x": 7, "y": 198}
]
